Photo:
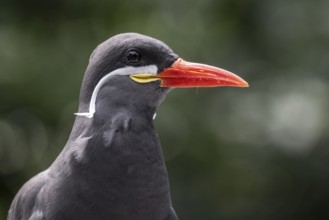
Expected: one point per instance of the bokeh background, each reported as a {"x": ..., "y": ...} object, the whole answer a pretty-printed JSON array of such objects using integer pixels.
[{"x": 234, "y": 154}]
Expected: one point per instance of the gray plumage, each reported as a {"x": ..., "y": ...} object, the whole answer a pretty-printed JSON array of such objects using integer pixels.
[{"x": 112, "y": 166}]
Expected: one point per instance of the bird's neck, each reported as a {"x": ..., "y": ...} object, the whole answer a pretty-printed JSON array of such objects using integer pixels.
[
  {"x": 108, "y": 125},
  {"x": 121, "y": 143},
  {"x": 119, "y": 158}
]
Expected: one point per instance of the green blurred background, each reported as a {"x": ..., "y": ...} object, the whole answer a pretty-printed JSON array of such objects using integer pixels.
[{"x": 233, "y": 154}]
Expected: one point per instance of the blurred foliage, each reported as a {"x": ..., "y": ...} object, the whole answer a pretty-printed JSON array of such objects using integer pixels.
[{"x": 256, "y": 153}]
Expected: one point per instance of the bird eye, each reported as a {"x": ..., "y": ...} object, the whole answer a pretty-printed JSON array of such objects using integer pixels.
[{"x": 133, "y": 56}]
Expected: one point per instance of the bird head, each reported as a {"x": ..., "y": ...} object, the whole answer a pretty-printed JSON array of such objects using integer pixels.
[{"x": 135, "y": 70}]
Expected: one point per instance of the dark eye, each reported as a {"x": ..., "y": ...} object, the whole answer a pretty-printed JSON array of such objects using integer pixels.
[{"x": 133, "y": 56}]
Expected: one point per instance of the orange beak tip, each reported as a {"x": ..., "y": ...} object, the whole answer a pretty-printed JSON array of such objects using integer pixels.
[{"x": 245, "y": 85}]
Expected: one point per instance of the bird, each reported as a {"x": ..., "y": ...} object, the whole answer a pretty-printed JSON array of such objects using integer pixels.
[{"x": 112, "y": 166}]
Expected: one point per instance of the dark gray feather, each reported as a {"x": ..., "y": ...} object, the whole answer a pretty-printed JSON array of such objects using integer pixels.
[{"x": 112, "y": 166}]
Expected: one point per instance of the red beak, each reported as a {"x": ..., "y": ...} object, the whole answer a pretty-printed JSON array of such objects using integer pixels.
[{"x": 186, "y": 74}]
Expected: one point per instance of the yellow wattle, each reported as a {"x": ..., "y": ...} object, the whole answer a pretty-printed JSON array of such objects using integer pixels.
[{"x": 144, "y": 77}]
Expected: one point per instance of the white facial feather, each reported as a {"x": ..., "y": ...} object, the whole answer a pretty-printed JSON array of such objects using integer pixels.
[{"x": 129, "y": 70}]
